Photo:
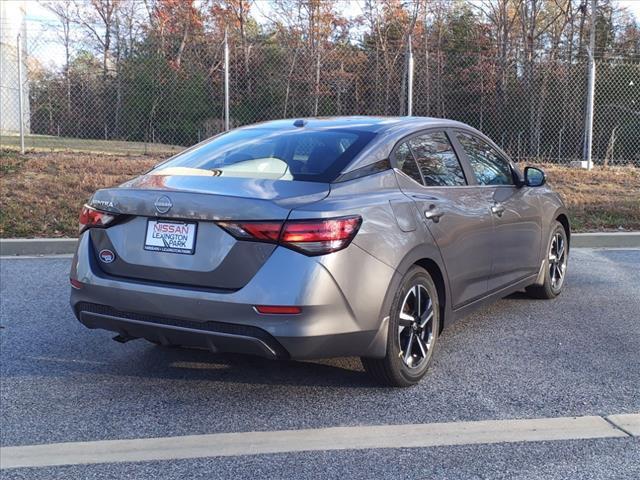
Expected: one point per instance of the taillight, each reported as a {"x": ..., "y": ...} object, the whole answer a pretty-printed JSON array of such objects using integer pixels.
[
  {"x": 317, "y": 237},
  {"x": 311, "y": 237},
  {"x": 90, "y": 217}
]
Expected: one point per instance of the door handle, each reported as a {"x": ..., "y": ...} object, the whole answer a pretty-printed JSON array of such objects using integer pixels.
[
  {"x": 497, "y": 209},
  {"x": 433, "y": 214}
]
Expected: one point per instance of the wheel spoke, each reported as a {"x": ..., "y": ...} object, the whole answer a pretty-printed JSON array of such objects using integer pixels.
[
  {"x": 426, "y": 318},
  {"x": 423, "y": 347},
  {"x": 407, "y": 352},
  {"x": 560, "y": 268},
  {"x": 418, "y": 300},
  {"x": 406, "y": 320},
  {"x": 560, "y": 248},
  {"x": 552, "y": 257}
]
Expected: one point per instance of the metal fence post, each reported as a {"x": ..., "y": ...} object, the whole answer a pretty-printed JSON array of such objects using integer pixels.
[
  {"x": 410, "y": 81},
  {"x": 20, "y": 94},
  {"x": 226, "y": 81},
  {"x": 588, "y": 121}
]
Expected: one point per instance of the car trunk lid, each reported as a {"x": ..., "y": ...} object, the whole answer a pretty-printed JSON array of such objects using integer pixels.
[{"x": 216, "y": 260}]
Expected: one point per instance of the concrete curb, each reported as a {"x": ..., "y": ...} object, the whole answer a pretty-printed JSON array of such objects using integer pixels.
[
  {"x": 37, "y": 246},
  {"x": 57, "y": 246},
  {"x": 606, "y": 240}
]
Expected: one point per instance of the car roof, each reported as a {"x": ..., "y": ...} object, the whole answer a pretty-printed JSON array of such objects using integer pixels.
[
  {"x": 388, "y": 131},
  {"x": 360, "y": 123}
]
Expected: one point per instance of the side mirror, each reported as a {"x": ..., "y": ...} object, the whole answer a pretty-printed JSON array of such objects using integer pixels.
[{"x": 534, "y": 177}]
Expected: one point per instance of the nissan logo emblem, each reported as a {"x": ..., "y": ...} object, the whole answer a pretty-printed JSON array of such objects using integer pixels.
[{"x": 163, "y": 204}]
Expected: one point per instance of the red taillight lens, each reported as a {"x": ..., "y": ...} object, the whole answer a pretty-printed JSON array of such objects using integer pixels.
[
  {"x": 90, "y": 217},
  {"x": 75, "y": 283},
  {"x": 311, "y": 237},
  {"x": 317, "y": 237},
  {"x": 263, "y": 231}
]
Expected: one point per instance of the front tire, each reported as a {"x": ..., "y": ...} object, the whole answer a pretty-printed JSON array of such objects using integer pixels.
[
  {"x": 414, "y": 323},
  {"x": 555, "y": 266}
]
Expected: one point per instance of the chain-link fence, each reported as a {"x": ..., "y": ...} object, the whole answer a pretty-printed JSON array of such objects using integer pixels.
[{"x": 535, "y": 111}]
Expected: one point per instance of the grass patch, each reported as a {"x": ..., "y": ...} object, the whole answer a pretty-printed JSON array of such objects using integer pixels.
[
  {"x": 603, "y": 199},
  {"x": 48, "y": 143},
  {"x": 41, "y": 193}
]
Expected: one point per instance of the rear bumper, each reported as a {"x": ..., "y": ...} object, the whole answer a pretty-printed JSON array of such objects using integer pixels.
[
  {"x": 330, "y": 324},
  {"x": 214, "y": 336}
]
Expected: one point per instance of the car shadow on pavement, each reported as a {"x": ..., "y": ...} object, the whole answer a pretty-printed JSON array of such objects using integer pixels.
[{"x": 174, "y": 363}]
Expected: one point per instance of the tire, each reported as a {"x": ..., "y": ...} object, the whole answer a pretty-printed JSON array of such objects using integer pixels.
[
  {"x": 555, "y": 268},
  {"x": 399, "y": 368}
]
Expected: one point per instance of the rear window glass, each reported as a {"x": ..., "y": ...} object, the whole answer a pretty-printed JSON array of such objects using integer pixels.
[{"x": 310, "y": 155}]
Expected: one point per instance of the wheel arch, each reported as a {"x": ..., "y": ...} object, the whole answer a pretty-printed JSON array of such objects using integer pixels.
[
  {"x": 564, "y": 220},
  {"x": 427, "y": 256},
  {"x": 438, "y": 278}
]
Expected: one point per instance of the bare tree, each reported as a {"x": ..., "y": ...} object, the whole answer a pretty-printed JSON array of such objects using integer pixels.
[{"x": 63, "y": 10}]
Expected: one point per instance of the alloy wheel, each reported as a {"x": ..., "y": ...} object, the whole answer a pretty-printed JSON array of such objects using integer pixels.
[
  {"x": 415, "y": 331},
  {"x": 557, "y": 261}
]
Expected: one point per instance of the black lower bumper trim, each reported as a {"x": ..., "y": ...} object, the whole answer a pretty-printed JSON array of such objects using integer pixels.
[{"x": 216, "y": 336}]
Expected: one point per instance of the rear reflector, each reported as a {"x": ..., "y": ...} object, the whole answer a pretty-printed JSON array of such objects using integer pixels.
[
  {"x": 277, "y": 310},
  {"x": 90, "y": 217},
  {"x": 311, "y": 237},
  {"x": 75, "y": 283}
]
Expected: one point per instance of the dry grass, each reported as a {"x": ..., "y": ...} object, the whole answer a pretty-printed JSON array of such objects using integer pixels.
[
  {"x": 603, "y": 199},
  {"x": 41, "y": 193},
  {"x": 49, "y": 144}
]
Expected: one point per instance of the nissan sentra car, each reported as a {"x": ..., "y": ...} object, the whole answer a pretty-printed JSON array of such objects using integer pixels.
[{"x": 323, "y": 237}]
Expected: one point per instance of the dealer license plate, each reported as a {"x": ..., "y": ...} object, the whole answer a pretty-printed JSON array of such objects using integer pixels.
[{"x": 171, "y": 236}]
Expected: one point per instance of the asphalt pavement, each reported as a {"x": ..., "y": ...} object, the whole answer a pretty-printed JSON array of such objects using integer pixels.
[{"x": 576, "y": 355}]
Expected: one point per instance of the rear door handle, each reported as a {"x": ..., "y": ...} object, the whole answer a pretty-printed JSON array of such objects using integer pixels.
[
  {"x": 433, "y": 214},
  {"x": 497, "y": 209}
]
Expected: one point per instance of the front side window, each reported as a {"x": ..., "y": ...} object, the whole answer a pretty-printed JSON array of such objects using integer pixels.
[
  {"x": 309, "y": 155},
  {"x": 487, "y": 164},
  {"x": 437, "y": 160}
]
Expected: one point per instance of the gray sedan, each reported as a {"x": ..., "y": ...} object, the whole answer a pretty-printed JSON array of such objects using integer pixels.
[{"x": 319, "y": 238}]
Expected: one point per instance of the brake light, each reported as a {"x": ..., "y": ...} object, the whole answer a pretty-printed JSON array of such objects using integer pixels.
[
  {"x": 90, "y": 217},
  {"x": 311, "y": 237},
  {"x": 263, "y": 231},
  {"x": 317, "y": 237}
]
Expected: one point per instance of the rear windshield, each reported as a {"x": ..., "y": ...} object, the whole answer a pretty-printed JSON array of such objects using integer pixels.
[{"x": 309, "y": 155}]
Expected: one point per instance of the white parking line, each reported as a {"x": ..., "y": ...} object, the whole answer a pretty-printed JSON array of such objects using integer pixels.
[
  {"x": 629, "y": 422},
  {"x": 336, "y": 438}
]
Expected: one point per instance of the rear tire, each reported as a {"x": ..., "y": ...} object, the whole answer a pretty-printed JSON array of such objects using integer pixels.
[
  {"x": 414, "y": 323},
  {"x": 555, "y": 266}
]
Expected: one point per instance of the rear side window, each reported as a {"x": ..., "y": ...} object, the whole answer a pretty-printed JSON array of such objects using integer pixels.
[
  {"x": 309, "y": 155},
  {"x": 430, "y": 159},
  {"x": 406, "y": 163},
  {"x": 487, "y": 164}
]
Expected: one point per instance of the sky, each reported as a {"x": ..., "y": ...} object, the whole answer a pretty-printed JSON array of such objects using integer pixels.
[{"x": 42, "y": 41}]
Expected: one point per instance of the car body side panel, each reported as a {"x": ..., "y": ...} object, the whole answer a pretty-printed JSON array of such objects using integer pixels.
[
  {"x": 370, "y": 197},
  {"x": 517, "y": 235},
  {"x": 464, "y": 234}
]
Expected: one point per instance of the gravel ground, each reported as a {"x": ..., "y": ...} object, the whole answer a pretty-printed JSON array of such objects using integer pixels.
[{"x": 576, "y": 355}]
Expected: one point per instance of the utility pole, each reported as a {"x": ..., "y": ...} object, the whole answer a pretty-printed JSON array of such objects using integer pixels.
[
  {"x": 20, "y": 94},
  {"x": 591, "y": 86},
  {"x": 226, "y": 81},
  {"x": 410, "y": 81}
]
